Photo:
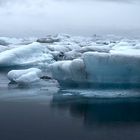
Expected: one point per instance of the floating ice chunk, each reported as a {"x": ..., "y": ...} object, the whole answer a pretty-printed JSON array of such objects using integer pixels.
[
  {"x": 63, "y": 47},
  {"x": 77, "y": 53},
  {"x": 99, "y": 68},
  {"x": 53, "y": 38},
  {"x": 122, "y": 46},
  {"x": 61, "y": 70},
  {"x": 95, "y": 49},
  {"x": 112, "y": 68},
  {"x": 125, "y": 48},
  {"x": 72, "y": 55},
  {"x": 32, "y": 54},
  {"x": 77, "y": 68},
  {"x": 6, "y": 41},
  {"x": 72, "y": 46},
  {"x": 131, "y": 52},
  {"x": 49, "y": 39},
  {"x": 25, "y": 76},
  {"x": 69, "y": 71},
  {"x": 59, "y": 48}
]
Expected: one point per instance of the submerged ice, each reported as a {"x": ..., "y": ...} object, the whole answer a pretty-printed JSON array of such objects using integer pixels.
[{"x": 70, "y": 59}]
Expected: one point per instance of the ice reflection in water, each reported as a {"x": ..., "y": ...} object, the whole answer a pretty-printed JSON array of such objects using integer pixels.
[
  {"x": 99, "y": 110},
  {"x": 43, "y": 112}
]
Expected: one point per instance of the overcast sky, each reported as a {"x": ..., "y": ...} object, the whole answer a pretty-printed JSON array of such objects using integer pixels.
[{"x": 22, "y": 18}]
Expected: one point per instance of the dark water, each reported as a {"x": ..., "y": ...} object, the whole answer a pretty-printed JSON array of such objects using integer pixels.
[{"x": 38, "y": 114}]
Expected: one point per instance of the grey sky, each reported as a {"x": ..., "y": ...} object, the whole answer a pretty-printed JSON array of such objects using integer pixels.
[{"x": 78, "y": 17}]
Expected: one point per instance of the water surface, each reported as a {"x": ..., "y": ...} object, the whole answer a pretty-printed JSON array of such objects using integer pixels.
[{"x": 44, "y": 113}]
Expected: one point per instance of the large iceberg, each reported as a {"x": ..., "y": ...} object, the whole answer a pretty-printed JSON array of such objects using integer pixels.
[
  {"x": 99, "y": 68},
  {"x": 112, "y": 68}
]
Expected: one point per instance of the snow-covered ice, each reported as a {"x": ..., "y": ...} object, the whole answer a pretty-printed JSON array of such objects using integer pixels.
[
  {"x": 69, "y": 71},
  {"x": 25, "y": 76},
  {"x": 32, "y": 54}
]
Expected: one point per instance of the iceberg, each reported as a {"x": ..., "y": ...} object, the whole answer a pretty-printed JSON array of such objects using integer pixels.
[
  {"x": 25, "y": 76},
  {"x": 69, "y": 71},
  {"x": 7, "y": 41},
  {"x": 99, "y": 68},
  {"x": 32, "y": 54},
  {"x": 49, "y": 39},
  {"x": 112, "y": 68},
  {"x": 75, "y": 59}
]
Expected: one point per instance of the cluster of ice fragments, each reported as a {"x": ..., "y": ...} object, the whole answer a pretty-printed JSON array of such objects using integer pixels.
[{"x": 70, "y": 59}]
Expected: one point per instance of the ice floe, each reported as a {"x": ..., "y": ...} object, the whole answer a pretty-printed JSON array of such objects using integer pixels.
[
  {"x": 32, "y": 54},
  {"x": 25, "y": 76},
  {"x": 112, "y": 68},
  {"x": 69, "y": 71},
  {"x": 75, "y": 59}
]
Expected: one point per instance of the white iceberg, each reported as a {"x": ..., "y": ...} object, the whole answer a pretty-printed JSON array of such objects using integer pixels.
[
  {"x": 101, "y": 68},
  {"x": 25, "y": 76},
  {"x": 95, "y": 48},
  {"x": 32, "y": 54},
  {"x": 69, "y": 71},
  {"x": 7, "y": 40},
  {"x": 60, "y": 48}
]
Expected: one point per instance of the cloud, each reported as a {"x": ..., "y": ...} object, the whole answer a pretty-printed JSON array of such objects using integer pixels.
[
  {"x": 21, "y": 1},
  {"x": 41, "y": 17}
]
